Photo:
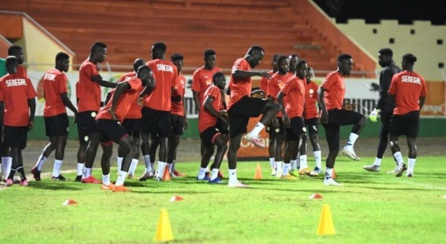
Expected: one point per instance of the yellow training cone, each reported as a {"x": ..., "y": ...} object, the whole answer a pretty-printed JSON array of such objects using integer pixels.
[
  {"x": 326, "y": 226},
  {"x": 163, "y": 230}
]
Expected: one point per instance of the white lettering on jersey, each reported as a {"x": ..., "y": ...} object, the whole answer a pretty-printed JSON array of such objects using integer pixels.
[
  {"x": 15, "y": 82},
  {"x": 50, "y": 77},
  {"x": 411, "y": 79},
  {"x": 163, "y": 67}
]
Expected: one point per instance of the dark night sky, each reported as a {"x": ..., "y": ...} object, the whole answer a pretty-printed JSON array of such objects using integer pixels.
[{"x": 405, "y": 11}]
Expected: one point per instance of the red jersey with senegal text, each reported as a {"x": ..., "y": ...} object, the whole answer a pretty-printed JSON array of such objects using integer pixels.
[
  {"x": 135, "y": 109},
  {"x": 15, "y": 91},
  {"x": 311, "y": 110},
  {"x": 201, "y": 80},
  {"x": 124, "y": 103},
  {"x": 165, "y": 74},
  {"x": 54, "y": 84},
  {"x": 178, "y": 96},
  {"x": 90, "y": 91},
  {"x": 294, "y": 90},
  {"x": 207, "y": 120},
  {"x": 335, "y": 90},
  {"x": 275, "y": 84},
  {"x": 407, "y": 87},
  {"x": 239, "y": 88}
]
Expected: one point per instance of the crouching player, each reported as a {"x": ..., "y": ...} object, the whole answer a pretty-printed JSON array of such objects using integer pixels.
[
  {"x": 109, "y": 121},
  {"x": 212, "y": 125}
]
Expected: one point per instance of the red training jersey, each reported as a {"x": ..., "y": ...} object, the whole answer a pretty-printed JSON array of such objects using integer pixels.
[
  {"x": 201, "y": 80},
  {"x": 90, "y": 91},
  {"x": 135, "y": 109},
  {"x": 124, "y": 103},
  {"x": 242, "y": 87},
  {"x": 407, "y": 87},
  {"x": 178, "y": 95},
  {"x": 54, "y": 84},
  {"x": 15, "y": 91},
  {"x": 207, "y": 120},
  {"x": 311, "y": 110},
  {"x": 275, "y": 84},
  {"x": 165, "y": 74},
  {"x": 335, "y": 86},
  {"x": 264, "y": 82},
  {"x": 294, "y": 90},
  {"x": 22, "y": 71}
]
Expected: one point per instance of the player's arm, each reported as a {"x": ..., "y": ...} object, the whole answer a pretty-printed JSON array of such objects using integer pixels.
[
  {"x": 421, "y": 102},
  {"x": 186, "y": 123},
  {"x": 210, "y": 109},
  {"x": 392, "y": 98},
  {"x": 320, "y": 100},
  {"x": 120, "y": 88},
  {"x": 98, "y": 79},
  {"x": 239, "y": 75},
  {"x": 68, "y": 102},
  {"x": 2, "y": 112},
  {"x": 32, "y": 108},
  {"x": 286, "y": 120},
  {"x": 384, "y": 84},
  {"x": 196, "y": 96}
]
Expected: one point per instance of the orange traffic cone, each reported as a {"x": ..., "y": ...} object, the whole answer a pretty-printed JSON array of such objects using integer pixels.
[
  {"x": 69, "y": 202},
  {"x": 166, "y": 175},
  {"x": 258, "y": 175},
  {"x": 333, "y": 174},
  {"x": 316, "y": 196},
  {"x": 163, "y": 230},
  {"x": 326, "y": 226},
  {"x": 176, "y": 198}
]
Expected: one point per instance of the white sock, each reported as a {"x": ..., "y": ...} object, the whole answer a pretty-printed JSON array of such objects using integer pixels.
[
  {"x": 133, "y": 165},
  {"x": 119, "y": 161},
  {"x": 352, "y": 139},
  {"x": 147, "y": 163},
  {"x": 279, "y": 169},
  {"x": 6, "y": 166},
  {"x": 317, "y": 157},
  {"x": 56, "y": 168},
  {"x": 297, "y": 161},
  {"x": 161, "y": 169},
  {"x": 201, "y": 173},
  {"x": 121, "y": 178},
  {"x": 173, "y": 167},
  {"x": 271, "y": 163},
  {"x": 293, "y": 164},
  {"x": 398, "y": 157},
  {"x": 303, "y": 161},
  {"x": 256, "y": 130},
  {"x": 106, "y": 179},
  {"x": 40, "y": 161},
  {"x": 233, "y": 175},
  {"x": 411, "y": 164},
  {"x": 377, "y": 162},
  {"x": 87, "y": 172},
  {"x": 169, "y": 166},
  {"x": 328, "y": 173},
  {"x": 286, "y": 168},
  {"x": 214, "y": 173},
  {"x": 80, "y": 168}
]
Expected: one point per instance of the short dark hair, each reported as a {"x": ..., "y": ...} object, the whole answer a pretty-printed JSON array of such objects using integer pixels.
[
  {"x": 160, "y": 46},
  {"x": 216, "y": 75},
  {"x": 255, "y": 48},
  {"x": 275, "y": 57},
  {"x": 209, "y": 52},
  {"x": 300, "y": 63},
  {"x": 176, "y": 56},
  {"x": 95, "y": 47},
  {"x": 12, "y": 49},
  {"x": 280, "y": 58},
  {"x": 344, "y": 56},
  {"x": 61, "y": 56},
  {"x": 410, "y": 58},
  {"x": 138, "y": 63},
  {"x": 386, "y": 51}
]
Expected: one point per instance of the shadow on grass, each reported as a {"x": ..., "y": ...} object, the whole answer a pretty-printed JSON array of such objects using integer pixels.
[{"x": 55, "y": 186}]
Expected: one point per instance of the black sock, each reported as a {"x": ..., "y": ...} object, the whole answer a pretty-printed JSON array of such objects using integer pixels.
[
  {"x": 21, "y": 172},
  {"x": 12, "y": 173}
]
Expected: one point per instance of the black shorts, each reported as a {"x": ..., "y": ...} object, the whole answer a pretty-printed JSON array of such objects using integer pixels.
[
  {"x": 406, "y": 124},
  {"x": 312, "y": 126},
  {"x": 343, "y": 117},
  {"x": 132, "y": 127},
  {"x": 208, "y": 136},
  {"x": 274, "y": 132},
  {"x": 241, "y": 111},
  {"x": 156, "y": 122},
  {"x": 111, "y": 130},
  {"x": 15, "y": 137},
  {"x": 222, "y": 127},
  {"x": 86, "y": 121},
  {"x": 297, "y": 127},
  {"x": 177, "y": 124},
  {"x": 57, "y": 125}
]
